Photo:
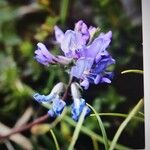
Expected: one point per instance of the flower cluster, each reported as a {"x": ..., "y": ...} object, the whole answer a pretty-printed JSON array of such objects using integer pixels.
[
  {"x": 57, "y": 104},
  {"x": 87, "y": 58},
  {"x": 90, "y": 55}
]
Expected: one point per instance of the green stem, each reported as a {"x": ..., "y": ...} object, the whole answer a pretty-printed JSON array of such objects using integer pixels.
[
  {"x": 133, "y": 71},
  {"x": 142, "y": 114},
  {"x": 95, "y": 144},
  {"x": 77, "y": 129},
  {"x": 58, "y": 119},
  {"x": 124, "y": 123},
  {"x": 101, "y": 127},
  {"x": 63, "y": 10},
  {"x": 118, "y": 115},
  {"x": 55, "y": 140},
  {"x": 90, "y": 133}
]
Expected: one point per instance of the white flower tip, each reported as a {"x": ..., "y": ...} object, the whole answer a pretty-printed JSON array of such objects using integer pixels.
[
  {"x": 75, "y": 91},
  {"x": 40, "y": 44},
  {"x": 109, "y": 34},
  {"x": 58, "y": 88},
  {"x": 56, "y": 28}
]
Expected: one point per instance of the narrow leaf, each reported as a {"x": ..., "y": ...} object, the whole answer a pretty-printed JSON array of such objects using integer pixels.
[
  {"x": 77, "y": 129},
  {"x": 118, "y": 115},
  {"x": 55, "y": 140},
  {"x": 101, "y": 127},
  {"x": 92, "y": 134},
  {"x": 133, "y": 71},
  {"x": 124, "y": 123},
  {"x": 63, "y": 10}
]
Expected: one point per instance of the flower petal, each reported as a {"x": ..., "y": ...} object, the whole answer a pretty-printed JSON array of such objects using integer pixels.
[
  {"x": 82, "y": 28},
  {"x": 43, "y": 56},
  {"x": 43, "y": 98},
  {"x": 99, "y": 45},
  {"x": 106, "y": 80},
  {"x": 85, "y": 83},
  {"x": 57, "y": 107},
  {"x": 71, "y": 42},
  {"x": 82, "y": 64},
  {"x": 77, "y": 108},
  {"x": 59, "y": 35}
]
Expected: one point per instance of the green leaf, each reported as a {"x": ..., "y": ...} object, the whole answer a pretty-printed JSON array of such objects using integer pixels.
[
  {"x": 118, "y": 115},
  {"x": 77, "y": 129},
  {"x": 124, "y": 123},
  {"x": 55, "y": 140},
  {"x": 90, "y": 133},
  {"x": 101, "y": 127},
  {"x": 133, "y": 71},
  {"x": 63, "y": 10}
]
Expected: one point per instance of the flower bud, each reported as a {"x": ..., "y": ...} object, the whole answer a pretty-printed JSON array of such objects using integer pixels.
[
  {"x": 58, "y": 89},
  {"x": 75, "y": 91}
]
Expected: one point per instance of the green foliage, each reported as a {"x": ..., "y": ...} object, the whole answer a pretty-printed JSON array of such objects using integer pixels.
[{"x": 108, "y": 100}]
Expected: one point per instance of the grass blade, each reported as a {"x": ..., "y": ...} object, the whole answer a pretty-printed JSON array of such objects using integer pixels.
[
  {"x": 55, "y": 140},
  {"x": 92, "y": 134},
  {"x": 124, "y": 123},
  {"x": 101, "y": 127},
  {"x": 95, "y": 144},
  {"x": 63, "y": 10},
  {"x": 77, "y": 129},
  {"x": 133, "y": 71},
  {"x": 119, "y": 115}
]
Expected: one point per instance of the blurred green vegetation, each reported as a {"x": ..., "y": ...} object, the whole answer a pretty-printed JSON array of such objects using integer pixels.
[{"x": 24, "y": 23}]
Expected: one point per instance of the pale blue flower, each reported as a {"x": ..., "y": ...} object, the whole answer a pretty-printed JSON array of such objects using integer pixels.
[
  {"x": 77, "y": 108},
  {"x": 57, "y": 107},
  {"x": 43, "y": 98}
]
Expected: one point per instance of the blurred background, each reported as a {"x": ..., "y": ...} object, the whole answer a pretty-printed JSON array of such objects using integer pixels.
[{"x": 24, "y": 23}]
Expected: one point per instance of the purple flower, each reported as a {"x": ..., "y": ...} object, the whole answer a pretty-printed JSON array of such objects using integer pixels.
[
  {"x": 98, "y": 47},
  {"x": 91, "y": 60},
  {"x": 72, "y": 43},
  {"x": 92, "y": 66},
  {"x": 82, "y": 28},
  {"x": 59, "y": 35},
  {"x": 57, "y": 107},
  {"x": 86, "y": 58},
  {"x": 98, "y": 73},
  {"x": 83, "y": 65},
  {"x": 94, "y": 73},
  {"x": 77, "y": 108},
  {"x": 43, "y": 56}
]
